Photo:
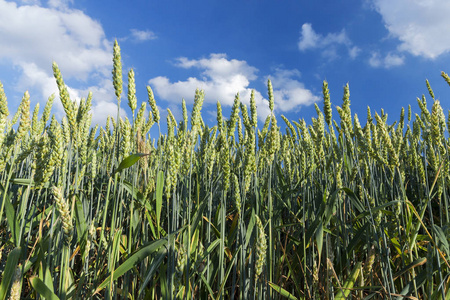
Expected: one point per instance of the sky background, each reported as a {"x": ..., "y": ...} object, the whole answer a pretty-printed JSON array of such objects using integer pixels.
[{"x": 384, "y": 49}]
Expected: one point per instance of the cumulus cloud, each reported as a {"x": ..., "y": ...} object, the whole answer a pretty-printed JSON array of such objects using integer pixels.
[
  {"x": 309, "y": 39},
  {"x": 388, "y": 61},
  {"x": 102, "y": 109},
  {"x": 221, "y": 78},
  {"x": 289, "y": 93},
  {"x": 218, "y": 66},
  {"x": 33, "y": 36},
  {"x": 142, "y": 35},
  {"x": 422, "y": 26}
]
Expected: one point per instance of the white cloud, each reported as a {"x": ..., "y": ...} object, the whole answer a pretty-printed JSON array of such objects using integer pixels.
[
  {"x": 309, "y": 39},
  {"x": 102, "y": 109},
  {"x": 422, "y": 26},
  {"x": 33, "y": 36},
  {"x": 353, "y": 52},
  {"x": 142, "y": 35},
  {"x": 39, "y": 35},
  {"x": 375, "y": 60},
  {"x": 34, "y": 76},
  {"x": 59, "y": 4},
  {"x": 388, "y": 61},
  {"x": 36, "y": 2},
  {"x": 392, "y": 60},
  {"x": 221, "y": 78},
  {"x": 218, "y": 66},
  {"x": 289, "y": 93}
]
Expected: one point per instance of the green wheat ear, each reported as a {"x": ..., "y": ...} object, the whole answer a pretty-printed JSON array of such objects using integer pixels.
[
  {"x": 196, "y": 118},
  {"x": 117, "y": 71},
  {"x": 16, "y": 287},
  {"x": 3, "y": 103},
  {"x": 326, "y": 103},
  {"x": 430, "y": 90},
  {"x": 25, "y": 121},
  {"x": 47, "y": 111},
  {"x": 253, "y": 111},
  {"x": 237, "y": 193},
  {"x": 185, "y": 115},
  {"x": 132, "y": 100},
  {"x": 64, "y": 211},
  {"x": 152, "y": 102},
  {"x": 65, "y": 99},
  {"x": 270, "y": 94},
  {"x": 446, "y": 77},
  {"x": 234, "y": 116},
  {"x": 219, "y": 117},
  {"x": 261, "y": 247}
]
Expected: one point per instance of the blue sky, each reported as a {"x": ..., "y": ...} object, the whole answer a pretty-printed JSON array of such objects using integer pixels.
[{"x": 384, "y": 49}]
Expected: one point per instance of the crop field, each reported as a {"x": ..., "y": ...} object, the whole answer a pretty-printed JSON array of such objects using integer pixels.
[{"x": 328, "y": 208}]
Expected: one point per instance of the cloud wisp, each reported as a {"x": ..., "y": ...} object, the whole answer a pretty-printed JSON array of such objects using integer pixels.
[
  {"x": 142, "y": 35},
  {"x": 388, "y": 61},
  {"x": 328, "y": 44}
]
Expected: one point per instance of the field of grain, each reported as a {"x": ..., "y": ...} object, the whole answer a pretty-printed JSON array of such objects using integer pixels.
[{"x": 328, "y": 209}]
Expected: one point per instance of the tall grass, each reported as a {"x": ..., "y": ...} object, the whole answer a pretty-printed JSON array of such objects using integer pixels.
[{"x": 331, "y": 210}]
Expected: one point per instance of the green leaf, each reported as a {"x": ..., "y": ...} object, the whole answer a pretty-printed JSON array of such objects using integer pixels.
[
  {"x": 129, "y": 161},
  {"x": 80, "y": 219},
  {"x": 212, "y": 246},
  {"x": 153, "y": 268},
  {"x": 251, "y": 224},
  {"x": 414, "y": 284},
  {"x": 359, "y": 238},
  {"x": 13, "y": 223},
  {"x": 22, "y": 181},
  {"x": 132, "y": 261},
  {"x": 197, "y": 217},
  {"x": 330, "y": 206},
  {"x": 137, "y": 257},
  {"x": 159, "y": 194},
  {"x": 376, "y": 209},
  {"x": 348, "y": 285},
  {"x": 414, "y": 264},
  {"x": 205, "y": 281},
  {"x": 441, "y": 239},
  {"x": 150, "y": 222},
  {"x": 282, "y": 291},
  {"x": 48, "y": 279},
  {"x": 40, "y": 287},
  {"x": 8, "y": 273},
  {"x": 354, "y": 199},
  {"x": 227, "y": 273},
  {"x": 319, "y": 239},
  {"x": 133, "y": 190}
]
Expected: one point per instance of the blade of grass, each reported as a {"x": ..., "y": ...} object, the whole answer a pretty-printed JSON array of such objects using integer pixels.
[
  {"x": 11, "y": 264},
  {"x": 40, "y": 287}
]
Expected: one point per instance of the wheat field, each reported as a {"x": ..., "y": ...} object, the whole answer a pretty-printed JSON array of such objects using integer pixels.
[{"x": 328, "y": 209}]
